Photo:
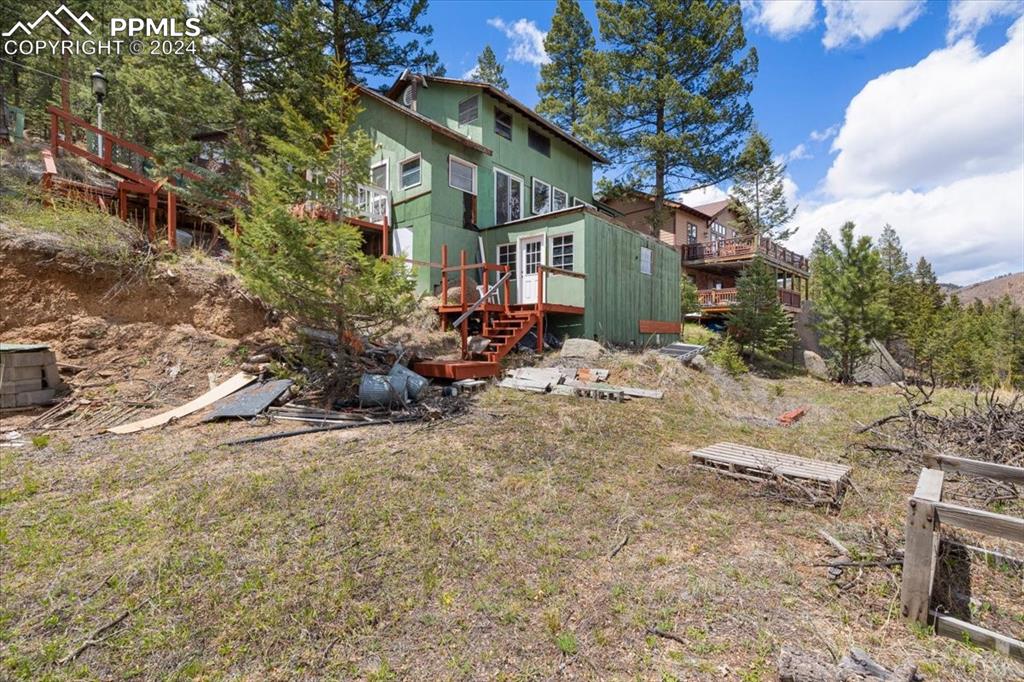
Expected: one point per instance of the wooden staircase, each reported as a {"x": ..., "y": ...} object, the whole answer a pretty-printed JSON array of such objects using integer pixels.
[{"x": 505, "y": 330}]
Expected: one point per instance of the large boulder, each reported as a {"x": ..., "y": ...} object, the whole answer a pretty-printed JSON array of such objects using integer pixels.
[
  {"x": 815, "y": 365},
  {"x": 698, "y": 362},
  {"x": 584, "y": 349},
  {"x": 879, "y": 368}
]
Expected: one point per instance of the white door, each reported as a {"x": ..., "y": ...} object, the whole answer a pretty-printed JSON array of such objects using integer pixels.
[{"x": 531, "y": 255}]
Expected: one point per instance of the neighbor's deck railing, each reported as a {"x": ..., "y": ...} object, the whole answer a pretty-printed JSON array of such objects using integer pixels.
[
  {"x": 738, "y": 247},
  {"x": 719, "y": 298}
]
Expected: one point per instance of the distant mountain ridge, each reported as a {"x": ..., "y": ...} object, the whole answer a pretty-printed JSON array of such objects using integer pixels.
[{"x": 990, "y": 289}]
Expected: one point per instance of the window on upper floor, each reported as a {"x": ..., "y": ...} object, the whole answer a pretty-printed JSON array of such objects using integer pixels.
[
  {"x": 507, "y": 256},
  {"x": 379, "y": 175},
  {"x": 691, "y": 233},
  {"x": 541, "y": 196},
  {"x": 561, "y": 252},
  {"x": 461, "y": 175},
  {"x": 717, "y": 232},
  {"x": 503, "y": 123},
  {"x": 409, "y": 172},
  {"x": 559, "y": 199},
  {"x": 645, "y": 260},
  {"x": 538, "y": 143},
  {"x": 469, "y": 109},
  {"x": 508, "y": 197}
]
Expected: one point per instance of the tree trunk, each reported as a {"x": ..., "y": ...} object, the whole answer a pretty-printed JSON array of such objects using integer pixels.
[
  {"x": 796, "y": 666},
  {"x": 659, "y": 176}
]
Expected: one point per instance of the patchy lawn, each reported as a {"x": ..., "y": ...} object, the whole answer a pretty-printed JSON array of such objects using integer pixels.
[{"x": 471, "y": 549}]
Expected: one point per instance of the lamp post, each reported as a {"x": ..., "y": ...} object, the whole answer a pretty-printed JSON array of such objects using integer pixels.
[{"x": 99, "y": 90}]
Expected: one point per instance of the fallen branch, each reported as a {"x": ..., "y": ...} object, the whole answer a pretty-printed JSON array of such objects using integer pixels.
[
  {"x": 318, "y": 429},
  {"x": 98, "y": 636},
  {"x": 618, "y": 547},
  {"x": 658, "y": 632}
]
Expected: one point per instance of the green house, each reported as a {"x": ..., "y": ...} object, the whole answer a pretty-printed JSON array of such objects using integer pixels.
[{"x": 461, "y": 169}]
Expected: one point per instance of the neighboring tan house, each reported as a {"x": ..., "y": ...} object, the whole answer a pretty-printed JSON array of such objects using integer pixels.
[
  {"x": 462, "y": 170},
  {"x": 713, "y": 252}
]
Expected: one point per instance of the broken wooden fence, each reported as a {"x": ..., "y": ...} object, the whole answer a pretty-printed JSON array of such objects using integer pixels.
[{"x": 926, "y": 514}]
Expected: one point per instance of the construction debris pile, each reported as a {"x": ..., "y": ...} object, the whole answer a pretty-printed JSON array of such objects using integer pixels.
[{"x": 583, "y": 382}]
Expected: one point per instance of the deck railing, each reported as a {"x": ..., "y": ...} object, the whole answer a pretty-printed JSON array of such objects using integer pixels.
[
  {"x": 738, "y": 247},
  {"x": 721, "y": 298},
  {"x": 373, "y": 204}
]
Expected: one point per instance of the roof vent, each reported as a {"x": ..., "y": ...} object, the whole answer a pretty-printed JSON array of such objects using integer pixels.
[{"x": 409, "y": 95}]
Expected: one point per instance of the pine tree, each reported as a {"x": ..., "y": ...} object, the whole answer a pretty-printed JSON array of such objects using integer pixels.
[
  {"x": 822, "y": 246},
  {"x": 898, "y": 281},
  {"x": 851, "y": 302},
  {"x": 315, "y": 270},
  {"x": 757, "y": 321},
  {"x": 668, "y": 94},
  {"x": 758, "y": 192},
  {"x": 489, "y": 69},
  {"x": 562, "y": 91}
]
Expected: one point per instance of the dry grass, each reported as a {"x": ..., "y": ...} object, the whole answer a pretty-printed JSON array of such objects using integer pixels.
[{"x": 473, "y": 549}]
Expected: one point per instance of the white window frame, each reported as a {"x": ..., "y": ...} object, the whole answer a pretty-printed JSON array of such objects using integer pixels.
[
  {"x": 401, "y": 169},
  {"x": 513, "y": 247},
  {"x": 718, "y": 231},
  {"x": 551, "y": 246},
  {"x": 458, "y": 107},
  {"x": 454, "y": 159},
  {"x": 387, "y": 174},
  {"x": 576, "y": 201},
  {"x": 522, "y": 187},
  {"x": 564, "y": 193},
  {"x": 533, "y": 195},
  {"x": 650, "y": 260}
]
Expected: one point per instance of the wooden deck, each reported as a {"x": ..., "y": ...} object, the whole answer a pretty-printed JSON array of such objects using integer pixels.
[
  {"x": 456, "y": 370},
  {"x": 517, "y": 308},
  {"x": 741, "y": 250},
  {"x": 754, "y": 464}
]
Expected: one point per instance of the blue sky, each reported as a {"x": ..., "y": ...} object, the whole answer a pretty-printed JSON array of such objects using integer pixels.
[{"x": 898, "y": 111}]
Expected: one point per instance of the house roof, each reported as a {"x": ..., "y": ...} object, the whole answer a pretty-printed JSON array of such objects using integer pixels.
[
  {"x": 394, "y": 91},
  {"x": 429, "y": 122},
  {"x": 714, "y": 208},
  {"x": 672, "y": 203}
]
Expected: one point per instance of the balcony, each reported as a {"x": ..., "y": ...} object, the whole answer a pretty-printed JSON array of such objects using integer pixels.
[
  {"x": 740, "y": 249},
  {"x": 372, "y": 204},
  {"x": 720, "y": 300}
]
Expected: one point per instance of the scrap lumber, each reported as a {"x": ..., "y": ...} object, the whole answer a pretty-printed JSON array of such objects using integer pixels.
[
  {"x": 525, "y": 385},
  {"x": 754, "y": 464},
  {"x": 318, "y": 429},
  {"x": 596, "y": 392},
  {"x": 249, "y": 401},
  {"x": 226, "y": 388},
  {"x": 630, "y": 391}
]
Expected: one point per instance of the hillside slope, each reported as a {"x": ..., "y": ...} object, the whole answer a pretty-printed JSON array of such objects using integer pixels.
[{"x": 994, "y": 289}]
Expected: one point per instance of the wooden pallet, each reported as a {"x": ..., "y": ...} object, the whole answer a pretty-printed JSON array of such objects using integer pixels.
[{"x": 754, "y": 464}]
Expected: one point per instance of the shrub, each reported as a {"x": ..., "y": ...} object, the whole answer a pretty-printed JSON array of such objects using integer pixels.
[{"x": 726, "y": 355}]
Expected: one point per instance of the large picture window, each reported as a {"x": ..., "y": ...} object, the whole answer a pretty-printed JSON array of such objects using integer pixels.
[
  {"x": 508, "y": 197},
  {"x": 541, "y": 196},
  {"x": 562, "y": 252},
  {"x": 461, "y": 175},
  {"x": 559, "y": 199}
]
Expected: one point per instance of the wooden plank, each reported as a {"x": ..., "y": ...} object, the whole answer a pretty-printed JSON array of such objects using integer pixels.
[
  {"x": 659, "y": 327},
  {"x": 929, "y": 485},
  {"x": 525, "y": 385},
  {"x": 920, "y": 550},
  {"x": 776, "y": 461},
  {"x": 948, "y": 626},
  {"x": 998, "y": 472},
  {"x": 226, "y": 388},
  {"x": 1007, "y": 527}
]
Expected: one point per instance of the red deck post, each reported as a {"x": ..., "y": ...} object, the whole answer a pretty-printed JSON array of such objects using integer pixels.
[
  {"x": 507, "y": 294},
  {"x": 172, "y": 221},
  {"x": 385, "y": 239},
  {"x": 444, "y": 283},
  {"x": 151, "y": 217},
  {"x": 540, "y": 309},
  {"x": 53, "y": 134}
]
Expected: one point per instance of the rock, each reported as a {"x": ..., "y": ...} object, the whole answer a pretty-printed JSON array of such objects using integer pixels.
[
  {"x": 582, "y": 348},
  {"x": 879, "y": 368},
  {"x": 699, "y": 362},
  {"x": 815, "y": 365}
]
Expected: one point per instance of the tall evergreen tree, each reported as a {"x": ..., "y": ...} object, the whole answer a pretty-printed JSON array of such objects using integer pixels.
[
  {"x": 757, "y": 321},
  {"x": 758, "y": 192},
  {"x": 822, "y": 246},
  {"x": 851, "y": 303},
  {"x": 668, "y": 94},
  {"x": 562, "y": 88},
  {"x": 898, "y": 281},
  {"x": 489, "y": 69},
  {"x": 380, "y": 37}
]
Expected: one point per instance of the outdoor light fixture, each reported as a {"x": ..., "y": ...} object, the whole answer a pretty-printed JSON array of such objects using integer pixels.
[{"x": 99, "y": 85}]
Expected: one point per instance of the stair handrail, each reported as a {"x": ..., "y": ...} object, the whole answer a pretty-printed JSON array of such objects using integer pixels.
[{"x": 472, "y": 309}]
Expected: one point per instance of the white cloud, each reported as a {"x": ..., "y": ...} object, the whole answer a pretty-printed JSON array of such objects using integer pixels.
[
  {"x": 470, "y": 74},
  {"x": 847, "y": 22},
  {"x": 790, "y": 190},
  {"x": 826, "y": 134},
  {"x": 782, "y": 20},
  {"x": 705, "y": 195},
  {"x": 797, "y": 153},
  {"x": 954, "y": 114},
  {"x": 527, "y": 40},
  {"x": 967, "y": 17},
  {"x": 970, "y": 229}
]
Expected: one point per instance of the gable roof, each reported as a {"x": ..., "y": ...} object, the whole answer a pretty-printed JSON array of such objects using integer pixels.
[
  {"x": 672, "y": 203},
  {"x": 713, "y": 209},
  {"x": 395, "y": 90},
  {"x": 429, "y": 122}
]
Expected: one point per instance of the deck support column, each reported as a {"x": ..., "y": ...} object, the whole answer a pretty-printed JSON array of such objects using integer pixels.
[
  {"x": 444, "y": 283},
  {"x": 151, "y": 217},
  {"x": 172, "y": 221},
  {"x": 464, "y": 327},
  {"x": 540, "y": 310}
]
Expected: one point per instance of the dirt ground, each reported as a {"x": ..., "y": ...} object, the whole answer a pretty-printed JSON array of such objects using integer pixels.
[{"x": 479, "y": 547}]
